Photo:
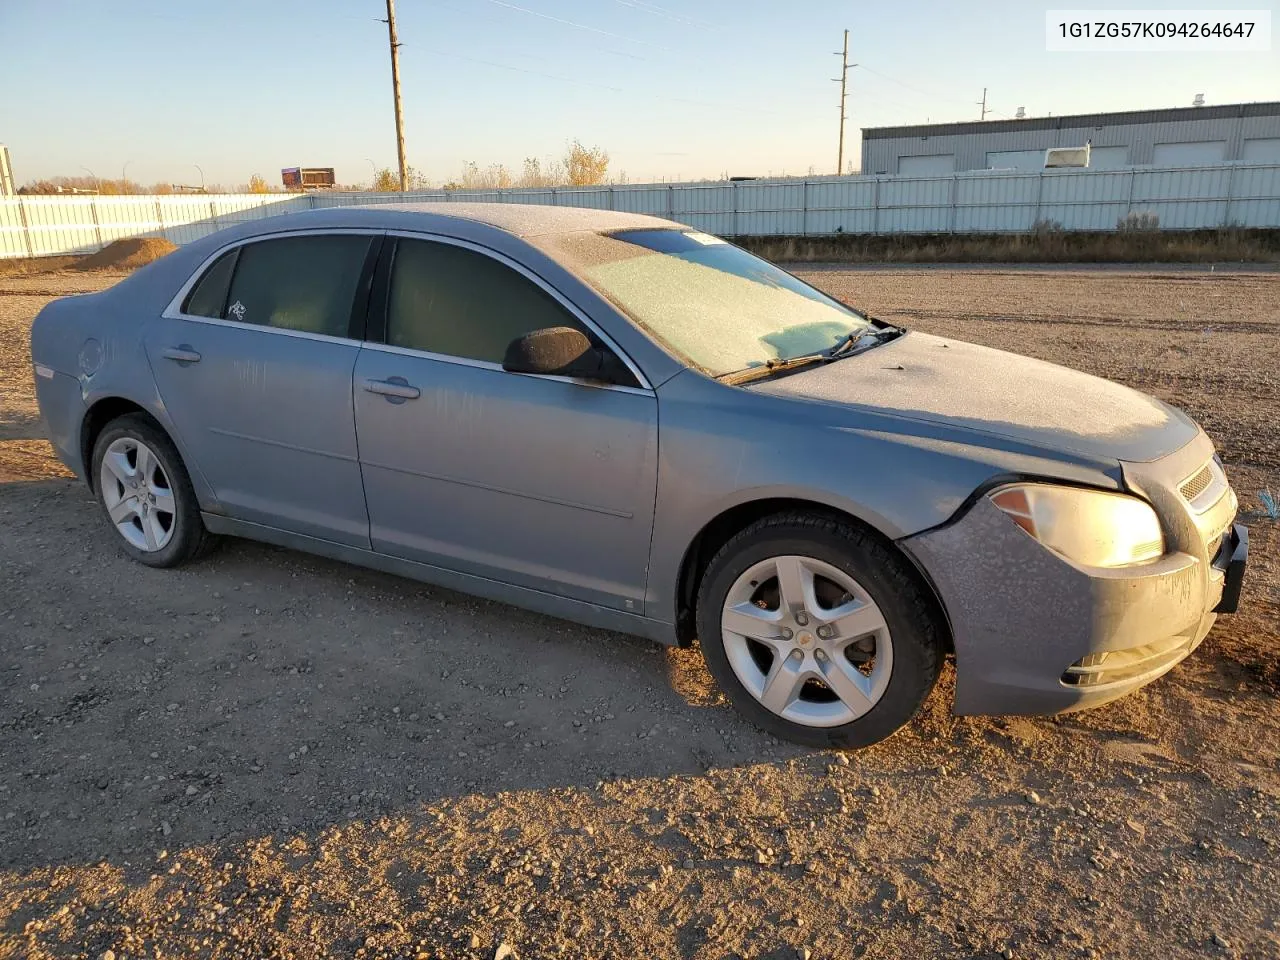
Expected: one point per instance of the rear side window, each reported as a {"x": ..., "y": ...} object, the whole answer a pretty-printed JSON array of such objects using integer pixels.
[
  {"x": 459, "y": 303},
  {"x": 295, "y": 283},
  {"x": 208, "y": 298}
]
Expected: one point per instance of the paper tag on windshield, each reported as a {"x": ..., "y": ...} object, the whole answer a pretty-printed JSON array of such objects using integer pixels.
[{"x": 706, "y": 239}]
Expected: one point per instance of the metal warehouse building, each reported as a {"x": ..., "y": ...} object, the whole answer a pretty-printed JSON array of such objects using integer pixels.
[{"x": 1186, "y": 136}]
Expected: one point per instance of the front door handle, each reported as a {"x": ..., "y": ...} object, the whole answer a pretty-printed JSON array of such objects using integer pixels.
[
  {"x": 182, "y": 354},
  {"x": 393, "y": 388}
]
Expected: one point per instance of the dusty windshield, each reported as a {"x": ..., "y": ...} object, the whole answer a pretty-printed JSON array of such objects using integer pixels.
[{"x": 715, "y": 305}]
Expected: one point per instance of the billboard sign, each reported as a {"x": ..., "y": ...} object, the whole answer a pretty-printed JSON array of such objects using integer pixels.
[{"x": 307, "y": 178}]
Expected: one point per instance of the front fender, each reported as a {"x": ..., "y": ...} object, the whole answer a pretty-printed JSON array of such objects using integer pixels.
[{"x": 721, "y": 447}]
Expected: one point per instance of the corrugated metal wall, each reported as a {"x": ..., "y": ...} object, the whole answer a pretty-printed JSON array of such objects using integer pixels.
[
  {"x": 977, "y": 202},
  {"x": 883, "y": 155}
]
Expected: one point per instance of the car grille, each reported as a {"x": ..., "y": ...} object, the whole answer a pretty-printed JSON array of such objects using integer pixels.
[
  {"x": 1118, "y": 666},
  {"x": 1197, "y": 484}
]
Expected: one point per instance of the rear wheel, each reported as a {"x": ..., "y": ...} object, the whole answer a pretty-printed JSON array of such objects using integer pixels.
[
  {"x": 146, "y": 493},
  {"x": 818, "y": 632}
]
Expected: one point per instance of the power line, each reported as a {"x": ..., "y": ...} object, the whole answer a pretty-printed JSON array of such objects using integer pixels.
[
  {"x": 924, "y": 93},
  {"x": 536, "y": 73},
  {"x": 494, "y": 17},
  {"x": 568, "y": 23},
  {"x": 664, "y": 13},
  {"x": 734, "y": 107}
]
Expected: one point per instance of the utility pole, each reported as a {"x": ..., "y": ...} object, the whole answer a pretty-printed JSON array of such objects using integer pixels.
[
  {"x": 984, "y": 99},
  {"x": 395, "y": 86},
  {"x": 844, "y": 87}
]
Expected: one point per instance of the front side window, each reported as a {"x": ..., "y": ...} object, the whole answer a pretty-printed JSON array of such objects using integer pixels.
[
  {"x": 295, "y": 283},
  {"x": 449, "y": 300},
  {"x": 717, "y": 306}
]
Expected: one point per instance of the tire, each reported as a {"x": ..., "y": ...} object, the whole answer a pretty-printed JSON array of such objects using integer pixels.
[
  {"x": 884, "y": 629},
  {"x": 141, "y": 502}
]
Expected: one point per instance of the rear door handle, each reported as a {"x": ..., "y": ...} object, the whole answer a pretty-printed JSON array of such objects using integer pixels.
[
  {"x": 182, "y": 354},
  {"x": 393, "y": 387}
]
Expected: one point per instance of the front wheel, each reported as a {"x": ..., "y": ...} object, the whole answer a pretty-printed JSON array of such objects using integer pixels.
[
  {"x": 145, "y": 492},
  {"x": 818, "y": 632}
]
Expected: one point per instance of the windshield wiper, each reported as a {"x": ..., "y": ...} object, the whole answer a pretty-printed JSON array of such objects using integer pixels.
[
  {"x": 855, "y": 343},
  {"x": 868, "y": 338}
]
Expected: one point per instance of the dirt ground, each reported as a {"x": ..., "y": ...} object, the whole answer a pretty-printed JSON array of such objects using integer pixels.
[{"x": 272, "y": 755}]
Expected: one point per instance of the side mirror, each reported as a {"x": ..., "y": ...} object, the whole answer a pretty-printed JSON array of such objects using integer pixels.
[{"x": 558, "y": 351}]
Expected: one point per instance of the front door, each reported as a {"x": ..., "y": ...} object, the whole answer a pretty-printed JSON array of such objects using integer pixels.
[
  {"x": 255, "y": 372},
  {"x": 541, "y": 482}
]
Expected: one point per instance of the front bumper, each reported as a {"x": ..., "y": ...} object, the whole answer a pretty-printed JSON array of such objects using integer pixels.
[{"x": 1037, "y": 634}]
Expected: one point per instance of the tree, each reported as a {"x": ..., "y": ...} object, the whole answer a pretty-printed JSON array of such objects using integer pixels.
[
  {"x": 258, "y": 185},
  {"x": 586, "y": 168}
]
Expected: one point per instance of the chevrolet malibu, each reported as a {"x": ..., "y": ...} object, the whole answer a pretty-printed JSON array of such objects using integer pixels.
[{"x": 625, "y": 422}]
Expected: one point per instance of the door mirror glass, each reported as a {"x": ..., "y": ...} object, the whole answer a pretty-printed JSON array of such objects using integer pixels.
[{"x": 556, "y": 351}]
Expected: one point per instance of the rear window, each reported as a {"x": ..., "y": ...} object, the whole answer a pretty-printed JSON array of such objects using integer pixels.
[
  {"x": 305, "y": 283},
  {"x": 208, "y": 298}
]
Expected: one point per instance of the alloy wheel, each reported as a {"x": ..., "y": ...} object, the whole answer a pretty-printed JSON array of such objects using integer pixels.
[
  {"x": 138, "y": 494},
  {"x": 807, "y": 641}
]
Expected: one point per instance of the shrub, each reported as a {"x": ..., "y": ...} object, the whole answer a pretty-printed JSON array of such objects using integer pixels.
[{"x": 1138, "y": 222}]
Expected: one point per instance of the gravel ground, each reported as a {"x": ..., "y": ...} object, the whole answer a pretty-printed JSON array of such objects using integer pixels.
[{"x": 268, "y": 754}]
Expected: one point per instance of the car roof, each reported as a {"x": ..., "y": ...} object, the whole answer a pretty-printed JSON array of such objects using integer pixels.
[{"x": 522, "y": 219}]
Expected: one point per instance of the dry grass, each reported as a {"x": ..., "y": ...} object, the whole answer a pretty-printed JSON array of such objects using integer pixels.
[{"x": 1042, "y": 246}]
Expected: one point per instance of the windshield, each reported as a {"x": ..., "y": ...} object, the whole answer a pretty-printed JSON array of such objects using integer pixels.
[{"x": 715, "y": 305}]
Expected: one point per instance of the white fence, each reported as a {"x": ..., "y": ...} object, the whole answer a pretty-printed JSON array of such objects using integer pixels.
[
  {"x": 1182, "y": 198},
  {"x": 41, "y": 226}
]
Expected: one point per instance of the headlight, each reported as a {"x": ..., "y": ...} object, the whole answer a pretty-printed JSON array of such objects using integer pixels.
[{"x": 1091, "y": 527}]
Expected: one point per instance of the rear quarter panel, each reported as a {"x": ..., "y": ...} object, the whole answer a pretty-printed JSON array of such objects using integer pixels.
[{"x": 96, "y": 340}]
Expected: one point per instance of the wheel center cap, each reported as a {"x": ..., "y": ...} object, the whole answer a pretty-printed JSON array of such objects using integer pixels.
[{"x": 804, "y": 638}]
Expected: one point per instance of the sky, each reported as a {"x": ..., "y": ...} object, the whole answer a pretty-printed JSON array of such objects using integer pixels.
[{"x": 190, "y": 90}]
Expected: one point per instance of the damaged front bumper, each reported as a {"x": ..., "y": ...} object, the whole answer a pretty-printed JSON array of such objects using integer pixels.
[{"x": 1035, "y": 633}]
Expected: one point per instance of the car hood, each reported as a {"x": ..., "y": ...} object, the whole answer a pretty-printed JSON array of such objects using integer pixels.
[{"x": 1002, "y": 394}]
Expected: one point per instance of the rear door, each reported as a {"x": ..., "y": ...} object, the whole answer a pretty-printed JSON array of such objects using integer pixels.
[
  {"x": 542, "y": 482},
  {"x": 254, "y": 366}
]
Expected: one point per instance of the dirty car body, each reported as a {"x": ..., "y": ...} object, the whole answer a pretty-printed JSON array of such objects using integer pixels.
[{"x": 389, "y": 427}]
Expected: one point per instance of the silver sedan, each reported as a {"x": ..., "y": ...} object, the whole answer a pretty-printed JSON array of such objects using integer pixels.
[{"x": 622, "y": 421}]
